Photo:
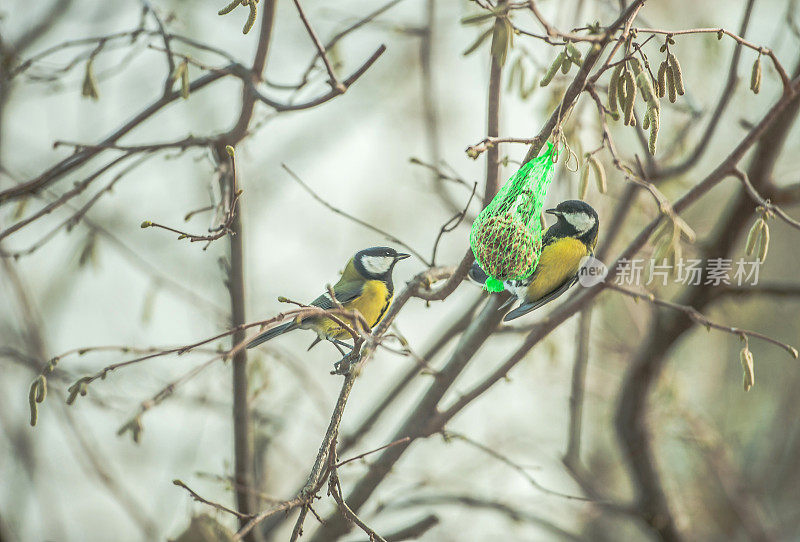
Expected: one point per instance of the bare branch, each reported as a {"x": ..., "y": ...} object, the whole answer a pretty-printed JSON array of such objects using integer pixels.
[
  {"x": 578, "y": 387},
  {"x": 512, "y": 512},
  {"x": 56, "y": 172}
]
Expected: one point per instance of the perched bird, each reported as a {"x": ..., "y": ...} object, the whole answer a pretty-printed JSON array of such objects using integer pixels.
[
  {"x": 564, "y": 246},
  {"x": 365, "y": 286}
]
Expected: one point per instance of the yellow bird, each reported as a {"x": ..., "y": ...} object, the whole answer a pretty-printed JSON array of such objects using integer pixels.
[
  {"x": 564, "y": 246},
  {"x": 365, "y": 286}
]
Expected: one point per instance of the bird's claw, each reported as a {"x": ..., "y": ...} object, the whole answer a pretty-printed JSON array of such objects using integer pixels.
[{"x": 346, "y": 364}]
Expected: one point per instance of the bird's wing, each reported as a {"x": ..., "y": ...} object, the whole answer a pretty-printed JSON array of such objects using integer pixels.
[
  {"x": 344, "y": 292},
  {"x": 528, "y": 307},
  {"x": 556, "y": 273}
]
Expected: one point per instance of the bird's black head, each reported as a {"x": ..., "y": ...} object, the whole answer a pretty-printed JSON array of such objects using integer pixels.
[
  {"x": 377, "y": 262},
  {"x": 577, "y": 219}
]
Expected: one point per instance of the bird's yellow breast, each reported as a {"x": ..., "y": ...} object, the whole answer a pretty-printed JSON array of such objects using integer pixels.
[
  {"x": 372, "y": 304},
  {"x": 373, "y": 301},
  {"x": 559, "y": 262}
]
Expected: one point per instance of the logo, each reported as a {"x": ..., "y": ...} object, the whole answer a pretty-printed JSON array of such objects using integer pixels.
[{"x": 592, "y": 272}]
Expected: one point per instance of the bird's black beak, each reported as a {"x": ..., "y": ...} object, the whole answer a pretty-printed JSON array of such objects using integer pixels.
[
  {"x": 553, "y": 212},
  {"x": 401, "y": 256}
]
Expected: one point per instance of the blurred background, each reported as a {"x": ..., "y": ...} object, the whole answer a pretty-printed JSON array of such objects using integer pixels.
[{"x": 728, "y": 459}]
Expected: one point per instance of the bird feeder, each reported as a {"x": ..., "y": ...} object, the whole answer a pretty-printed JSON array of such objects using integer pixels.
[{"x": 506, "y": 237}]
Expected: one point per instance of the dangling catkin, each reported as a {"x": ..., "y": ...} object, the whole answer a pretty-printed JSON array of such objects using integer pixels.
[
  {"x": 755, "y": 76},
  {"x": 653, "y": 114},
  {"x": 753, "y": 236},
  {"x": 636, "y": 66},
  {"x": 662, "y": 80},
  {"x": 599, "y": 174},
  {"x": 746, "y": 358},
  {"x": 583, "y": 186},
  {"x": 763, "y": 246},
  {"x": 676, "y": 72},
  {"x": 630, "y": 98},
  {"x": 551, "y": 71},
  {"x": 648, "y": 93},
  {"x": 671, "y": 92},
  {"x": 566, "y": 64},
  {"x": 613, "y": 87},
  {"x": 574, "y": 53}
]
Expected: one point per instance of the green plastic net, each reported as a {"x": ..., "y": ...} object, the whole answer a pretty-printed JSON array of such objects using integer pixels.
[{"x": 506, "y": 237}]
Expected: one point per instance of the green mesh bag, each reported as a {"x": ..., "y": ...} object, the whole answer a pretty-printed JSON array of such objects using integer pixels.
[{"x": 506, "y": 237}]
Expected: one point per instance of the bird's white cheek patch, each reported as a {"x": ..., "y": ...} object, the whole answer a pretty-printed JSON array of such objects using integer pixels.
[
  {"x": 376, "y": 265},
  {"x": 580, "y": 221}
]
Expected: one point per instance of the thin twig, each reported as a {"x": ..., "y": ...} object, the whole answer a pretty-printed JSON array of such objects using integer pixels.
[
  {"x": 787, "y": 87},
  {"x": 264, "y": 514},
  {"x": 358, "y": 221},
  {"x": 66, "y": 196},
  {"x": 365, "y": 454},
  {"x": 516, "y": 466},
  {"x": 216, "y": 505},
  {"x": 334, "y": 81},
  {"x": 230, "y": 215},
  {"x": 554, "y": 33},
  {"x": 724, "y": 99},
  {"x": 337, "y": 37},
  {"x": 333, "y": 93},
  {"x": 437, "y": 171},
  {"x": 163, "y": 31},
  {"x": 473, "y": 151},
  {"x": 702, "y": 319},
  {"x": 451, "y": 224},
  {"x": 336, "y": 492},
  {"x": 758, "y": 198}
]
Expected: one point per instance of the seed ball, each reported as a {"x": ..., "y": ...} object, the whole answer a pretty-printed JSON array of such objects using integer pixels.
[{"x": 505, "y": 247}]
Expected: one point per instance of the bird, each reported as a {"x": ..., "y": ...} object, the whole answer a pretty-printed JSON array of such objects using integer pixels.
[
  {"x": 565, "y": 245},
  {"x": 365, "y": 286}
]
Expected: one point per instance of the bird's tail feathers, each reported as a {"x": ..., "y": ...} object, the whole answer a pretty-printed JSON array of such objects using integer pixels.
[
  {"x": 523, "y": 309},
  {"x": 272, "y": 333},
  {"x": 511, "y": 300}
]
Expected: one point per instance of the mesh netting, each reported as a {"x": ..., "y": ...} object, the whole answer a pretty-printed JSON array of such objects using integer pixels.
[{"x": 506, "y": 237}]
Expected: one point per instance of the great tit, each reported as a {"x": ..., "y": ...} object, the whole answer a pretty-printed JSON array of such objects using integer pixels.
[
  {"x": 564, "y": 246},
  {"x": 365, "y": 286}
]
